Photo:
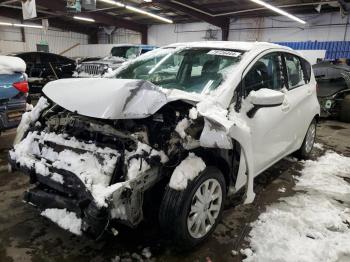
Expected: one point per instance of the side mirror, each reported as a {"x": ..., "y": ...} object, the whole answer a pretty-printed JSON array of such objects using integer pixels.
[{"x": 264, "y": 98}]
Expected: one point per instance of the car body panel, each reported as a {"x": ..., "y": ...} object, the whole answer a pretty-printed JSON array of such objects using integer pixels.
[
  {"x": 109, "y": 108},
  {"x": 12, "y": 101}
]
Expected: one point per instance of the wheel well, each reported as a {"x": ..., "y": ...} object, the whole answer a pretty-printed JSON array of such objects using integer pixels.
[
  {"x": 317, "y": 118},
  {"x": 220, "y": 159}
]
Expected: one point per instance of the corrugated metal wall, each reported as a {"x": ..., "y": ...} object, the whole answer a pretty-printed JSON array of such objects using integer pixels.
[
  {"x": 334, "y": 49},
  {"x": 58, "y": 40}
]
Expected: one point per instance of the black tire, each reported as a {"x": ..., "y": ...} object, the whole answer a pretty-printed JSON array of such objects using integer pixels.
[
  {"x": 344, "y": 114},
  {"x": 175, "y": 208},
  {"x": 303, "y": 152}
]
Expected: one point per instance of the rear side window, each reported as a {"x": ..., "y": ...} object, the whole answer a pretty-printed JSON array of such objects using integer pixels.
[{"x": 298, "y": 70}]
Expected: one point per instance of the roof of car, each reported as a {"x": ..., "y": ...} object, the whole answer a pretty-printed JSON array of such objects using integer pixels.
[
  {"x": 244, "y": 46},
  {"x": 142, "y": 46}
]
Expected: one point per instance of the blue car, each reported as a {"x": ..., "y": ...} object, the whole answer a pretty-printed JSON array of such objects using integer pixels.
[{"x": 13, "y": 92}]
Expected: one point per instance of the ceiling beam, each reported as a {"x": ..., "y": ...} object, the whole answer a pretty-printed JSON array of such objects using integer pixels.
[
  {"x": 54, "y": 22},
  {"x": 59, "y": 6},
  {"x": 185, "y": 7}
]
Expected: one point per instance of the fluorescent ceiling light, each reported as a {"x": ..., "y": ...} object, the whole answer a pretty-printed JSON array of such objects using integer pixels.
[
  {"x": 113, "y": 3},
  {"x": 83, "y": 18},
  {"x": 30, "y": 26},
  {"x": 137, "y": 10},
  {"x": 280, "y": 11},
  {"x": 4, "y": 23},
  {"x": 20, "y": 25}
]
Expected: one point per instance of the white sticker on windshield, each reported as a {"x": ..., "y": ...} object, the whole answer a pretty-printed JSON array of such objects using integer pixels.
[{"x": 224, "y": 53}]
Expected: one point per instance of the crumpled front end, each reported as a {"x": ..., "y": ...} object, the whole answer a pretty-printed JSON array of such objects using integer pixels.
[{"x": 85, "y": 167}]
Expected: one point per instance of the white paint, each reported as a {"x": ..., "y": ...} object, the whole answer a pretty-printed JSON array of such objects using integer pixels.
[
  {"x": 118, "y": 100},
  {"x": 266, "y": 97}
]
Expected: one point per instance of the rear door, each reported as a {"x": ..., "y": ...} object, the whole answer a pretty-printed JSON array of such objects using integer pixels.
[{"x": 298, "y": 97}]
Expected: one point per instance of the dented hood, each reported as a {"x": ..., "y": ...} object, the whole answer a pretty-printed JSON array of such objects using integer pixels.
[{"x": 109, "y": 98}]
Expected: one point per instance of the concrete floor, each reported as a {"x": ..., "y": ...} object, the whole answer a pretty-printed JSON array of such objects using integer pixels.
[{"x": 26, "y": 236}]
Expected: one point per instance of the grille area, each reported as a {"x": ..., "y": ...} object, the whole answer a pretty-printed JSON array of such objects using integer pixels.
[{"x": 92, "y": 68}]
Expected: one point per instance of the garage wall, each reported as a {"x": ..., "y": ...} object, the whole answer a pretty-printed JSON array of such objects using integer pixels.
[
  {"x": 119, "y": 36},
  {"x": 58, "y": 40},
  {"x": 324, "y": 27}
]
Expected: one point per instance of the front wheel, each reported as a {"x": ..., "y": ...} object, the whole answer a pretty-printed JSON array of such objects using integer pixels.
[
  {"x": 305, "y": 150},
  {"x": 191, "y": 215}
]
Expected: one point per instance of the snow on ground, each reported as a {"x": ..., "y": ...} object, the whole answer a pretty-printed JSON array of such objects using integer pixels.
[
  {"x": 188, "y": 169},
  {"x": 318, "y": 146},
  {"x": 65, "y": 219},
  {"x": 312, "y": 225},
  {"x": 11, "y": 64}
]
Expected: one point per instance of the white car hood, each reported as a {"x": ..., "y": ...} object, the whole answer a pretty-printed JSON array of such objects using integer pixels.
[{"x": 112, "y": 98}]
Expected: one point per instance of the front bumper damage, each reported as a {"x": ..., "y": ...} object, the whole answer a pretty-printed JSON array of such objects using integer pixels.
[{"x": 55, "y": 186}]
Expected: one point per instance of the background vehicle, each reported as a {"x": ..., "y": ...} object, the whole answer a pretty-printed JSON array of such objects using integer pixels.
[
  {"x": 226, "y": 112},
  {"x": 44, "y": 67},
  {"x": 333, "y": 80},
  {"x": 119, "y": 54},
  {"x": 13, "y": 91}
]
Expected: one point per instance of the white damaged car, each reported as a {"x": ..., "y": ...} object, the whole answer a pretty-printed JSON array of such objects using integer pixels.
[{"x": 177, "y": 130}]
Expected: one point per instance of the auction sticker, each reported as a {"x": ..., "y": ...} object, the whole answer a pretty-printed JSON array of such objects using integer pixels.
[{"x": 224, "y": 53}]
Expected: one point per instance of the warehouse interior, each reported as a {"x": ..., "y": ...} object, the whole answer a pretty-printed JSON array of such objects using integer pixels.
[{"x": 175, "y": 130}]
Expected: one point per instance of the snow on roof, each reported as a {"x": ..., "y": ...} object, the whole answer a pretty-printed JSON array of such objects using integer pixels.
[
  {"x": 244, "y": 46},
  {"x": 10, "y": 64}
]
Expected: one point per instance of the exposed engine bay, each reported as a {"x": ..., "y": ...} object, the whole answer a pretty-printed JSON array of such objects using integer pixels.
[{"x": 99, "y": 169}]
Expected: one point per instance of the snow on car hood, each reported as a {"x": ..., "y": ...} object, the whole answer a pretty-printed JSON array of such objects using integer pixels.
[{"x": 112, "y": 98}]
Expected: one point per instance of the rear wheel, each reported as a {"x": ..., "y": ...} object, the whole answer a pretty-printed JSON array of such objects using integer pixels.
[
  {"x": 191, "y": 215},
  {"x": 344, "y": 114},
  {"x": 305, "y": 150}
]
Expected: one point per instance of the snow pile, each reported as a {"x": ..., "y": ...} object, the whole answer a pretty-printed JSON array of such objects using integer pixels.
[
  {"x": 318, "y": 146},
  {"x": 11, "y": 64},
  {"x": 312, "y": 225},
  {"x": 65, "y": 219},
  {"x": 193, "y": 114},
  {"x": 188, "y": 169},
  {"x": 181, "y": 127},
  {"x": 94, "y": 167},
  {"x": 136, "y": 162},
  {"x": 30, "y": 117}
]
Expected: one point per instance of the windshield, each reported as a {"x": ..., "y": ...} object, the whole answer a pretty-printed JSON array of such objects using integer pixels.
[
  {"x": 127, "y": 52},
  {"x": 193, "y": 70}
]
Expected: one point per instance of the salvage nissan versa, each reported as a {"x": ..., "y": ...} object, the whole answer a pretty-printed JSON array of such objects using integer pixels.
[{"x": 199, "y": 120}]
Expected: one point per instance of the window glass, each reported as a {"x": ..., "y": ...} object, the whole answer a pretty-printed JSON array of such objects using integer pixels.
[
  {"x": 193, "y": 70},
  {"x": 306, "y": 70},
  {"x": 48, "y": 58},
  {"x": 295, "y": 72},
  {"x": 127, "y": 52},
  {"x": 266, "y": 73}
]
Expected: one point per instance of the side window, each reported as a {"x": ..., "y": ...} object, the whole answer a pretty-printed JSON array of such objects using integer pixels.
[
  {"x": 306, "y": 70},
  {"x": 267, "y": 72},
  {"x": 296, "y": 74}
]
